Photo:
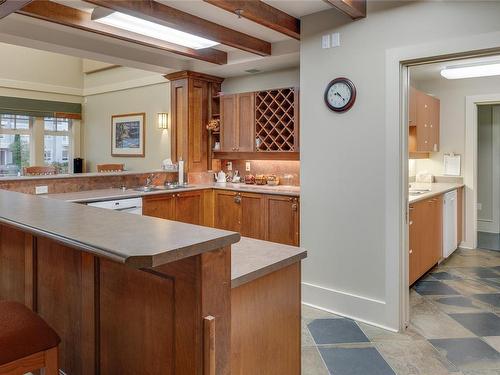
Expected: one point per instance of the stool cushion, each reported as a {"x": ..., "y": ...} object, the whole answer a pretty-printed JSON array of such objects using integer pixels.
[{"x": 22, "y": 332}]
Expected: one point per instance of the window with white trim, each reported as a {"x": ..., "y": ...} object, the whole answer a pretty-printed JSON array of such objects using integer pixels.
[
  {"x": 57, "y": 143},
  {"x": 15, "y": 143}
]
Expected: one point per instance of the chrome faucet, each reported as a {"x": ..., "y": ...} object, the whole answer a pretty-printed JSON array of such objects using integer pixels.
[{"x": 149, "y": 180}]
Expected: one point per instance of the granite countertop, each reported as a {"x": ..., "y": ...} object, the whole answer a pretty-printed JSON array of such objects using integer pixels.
[
  {"x": 252, "y": 259},
  {"x": 436, "y": 188},
  {"x": 138, "y": 241},
  {"x": 110, "y": 194}
]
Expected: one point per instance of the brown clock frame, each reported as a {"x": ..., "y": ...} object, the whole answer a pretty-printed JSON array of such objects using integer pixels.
[{"x": 351, "y": 101}]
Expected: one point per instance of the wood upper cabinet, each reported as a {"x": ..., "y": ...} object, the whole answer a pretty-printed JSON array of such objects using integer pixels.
[
  {"x": 237, "y": 122},
  {"x": 425, "y": 236},
  {"x": 245, "y": 108},
  {"x": 186, "y": 207},
  {"x": 282, "y": 219},
  {"x": 189, "y": 102},
  {"x": 424, "y": 115},
  {"x": 228, "y": 122}
]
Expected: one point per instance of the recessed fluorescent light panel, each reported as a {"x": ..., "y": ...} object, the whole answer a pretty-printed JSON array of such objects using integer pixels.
[
  {"x": 151, "y": 29},
  {"x": 472, "y": 71}
]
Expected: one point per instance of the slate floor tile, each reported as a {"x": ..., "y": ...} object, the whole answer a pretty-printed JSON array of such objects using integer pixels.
[
  {"x": 491, "y": 299},
  {"x": 481, "y": 324},
  {"x": 415, "y": 357},
  {"x": 468, "y": 353},
  {"x": 479, "y": 272},
  {"x": 355, "y": 361},
  {"x": 336, "y": 331},
  {"x": 456, "y": 304},
  {"x": 312, "y": 363},
  {"x": 468, "y": 287},
  {"x": 495, "y": 283},
  {"x": 434, "y": 288},
  {"x": 442, "y": 275},
  {"x": 493, "y": 341}
]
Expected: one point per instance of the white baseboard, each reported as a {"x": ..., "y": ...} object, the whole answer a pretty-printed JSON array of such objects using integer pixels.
[{"x": 362, "y": 309}]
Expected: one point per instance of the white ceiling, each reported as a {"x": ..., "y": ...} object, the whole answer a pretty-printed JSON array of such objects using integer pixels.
[
  {"x": 299, "y": 8},
  {"x": 433, "y": 71},
  {"x": 61, "y": 39}
]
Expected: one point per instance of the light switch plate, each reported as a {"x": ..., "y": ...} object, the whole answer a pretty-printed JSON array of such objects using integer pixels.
[
  {"x": 229, "y": 165},
  {"x": 44, "y": 189},
  {"x": 325, "y": 41},
  {"x": 247, "y": 166},
  {"x": 335, "y": 39}
]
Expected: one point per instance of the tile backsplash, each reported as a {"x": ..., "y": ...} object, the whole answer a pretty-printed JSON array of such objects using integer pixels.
[{"x": 266, "y": 167}]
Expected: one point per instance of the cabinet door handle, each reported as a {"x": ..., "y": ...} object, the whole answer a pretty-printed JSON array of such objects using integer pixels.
[{"x": 294, "y": 207}]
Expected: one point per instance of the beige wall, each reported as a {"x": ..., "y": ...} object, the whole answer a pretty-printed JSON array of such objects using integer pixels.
[
  {"x": 262, "y": 81},
  {"x": 35, "y": 74},
  {"x": 97, "y": 112},
  {"x": 351, "y": 213},
  {"x": 452, "y": 94}
]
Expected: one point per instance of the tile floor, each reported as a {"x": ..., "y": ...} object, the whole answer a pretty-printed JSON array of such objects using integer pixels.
[
  {"x": 488, "y": 240},
  {"x": 455, "y": 328}
]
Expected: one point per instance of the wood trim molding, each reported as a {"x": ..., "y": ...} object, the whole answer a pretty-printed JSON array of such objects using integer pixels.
[
  {"x": 194, "y": 75},
  {"x": 160, "y": 13},
  {"x": 75, "y": 18},
  {"x": 257, "y": 155},
  {"x": 263, "y": 14},
  {"x": 355, "y": 9},
  {"x": 11, "y": 6}
]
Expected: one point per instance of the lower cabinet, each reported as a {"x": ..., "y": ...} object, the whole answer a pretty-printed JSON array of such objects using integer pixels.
[
  {"x": 186, "y": 207},
  {"x": 425, "y": 237},
  {"x": 272, "y": 218},
  {"x": 282, "y": 218},
  {"x": 240, "y": 212}
]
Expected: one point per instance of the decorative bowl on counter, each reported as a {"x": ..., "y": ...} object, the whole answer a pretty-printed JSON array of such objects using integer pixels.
[
  {"x": 273, "y": 180},
  {"x": 260, "y": 179},
  {"x": 249, "y": 179}
]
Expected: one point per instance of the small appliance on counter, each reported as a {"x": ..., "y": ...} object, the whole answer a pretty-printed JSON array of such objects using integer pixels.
[
  {"x": 220, "y": 177},
  {"x": 77, "y": 165}
]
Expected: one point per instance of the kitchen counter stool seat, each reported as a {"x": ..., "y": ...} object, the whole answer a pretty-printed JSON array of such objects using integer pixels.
[{"x": 27, "y": 343}]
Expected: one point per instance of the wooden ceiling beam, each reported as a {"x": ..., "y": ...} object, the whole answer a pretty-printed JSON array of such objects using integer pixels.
[
  {"x": 355, "y": 9},
  {"x": 67, "y": 16},
  {"x": 263, "y": 14},
  {"x": 10, "y": 6},
  {"x": 160, "y": 13}
]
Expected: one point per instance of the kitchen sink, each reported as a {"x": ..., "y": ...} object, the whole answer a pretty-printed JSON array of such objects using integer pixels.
[
  {"x": 147, "y": 189},
  {"x": 418, "y": 191}
]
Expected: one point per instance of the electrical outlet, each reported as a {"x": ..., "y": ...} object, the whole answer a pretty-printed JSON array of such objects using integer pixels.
[
  {"x": 247, "y": 166},
  {"x": 229, "y": 165},
  {"x": 479, "y": 206},
  {"x": 335, "y": 39},
  {"x": 44, "y": 189}
]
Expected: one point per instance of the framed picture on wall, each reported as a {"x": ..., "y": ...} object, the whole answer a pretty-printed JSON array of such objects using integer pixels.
[{"x": 127, "y": 135}]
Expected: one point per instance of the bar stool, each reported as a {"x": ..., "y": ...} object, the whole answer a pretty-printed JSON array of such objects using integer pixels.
[{"x": 27, "y": 343}]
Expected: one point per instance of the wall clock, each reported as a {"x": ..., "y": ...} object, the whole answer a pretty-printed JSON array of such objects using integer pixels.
[{"x": 340, "y": 94}]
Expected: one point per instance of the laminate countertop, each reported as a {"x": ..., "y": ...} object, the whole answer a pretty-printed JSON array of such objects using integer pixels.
[
  {"x": 436, "y": 188},
  {"x": 252, "y": 259},
  {"x": 139, "y": 241},
  {"x": 89, "y": 196}
]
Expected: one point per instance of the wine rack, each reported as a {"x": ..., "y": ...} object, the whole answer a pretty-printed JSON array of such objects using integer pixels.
[{"x": 276, "y": 120}]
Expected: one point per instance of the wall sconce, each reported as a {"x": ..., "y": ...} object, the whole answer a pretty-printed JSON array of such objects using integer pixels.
[{"x": 163, "y": 120}]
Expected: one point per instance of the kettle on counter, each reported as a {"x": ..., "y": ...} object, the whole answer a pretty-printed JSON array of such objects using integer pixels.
[{"x": 220, "y": 177}]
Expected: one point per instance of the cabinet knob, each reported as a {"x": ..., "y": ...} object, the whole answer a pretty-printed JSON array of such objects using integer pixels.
[
  {"x": 294, "y": 207},
  {"x": 426, "y": 142},
  {"x": 411, "y": 251},
  {"x": 431, "y": 125},
  {"x": 411, "y": 222},
  {"x": 425, "y": 125}
]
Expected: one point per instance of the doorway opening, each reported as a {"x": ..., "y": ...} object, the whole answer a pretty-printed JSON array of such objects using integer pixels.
[{"x": 453, "y": 165}]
